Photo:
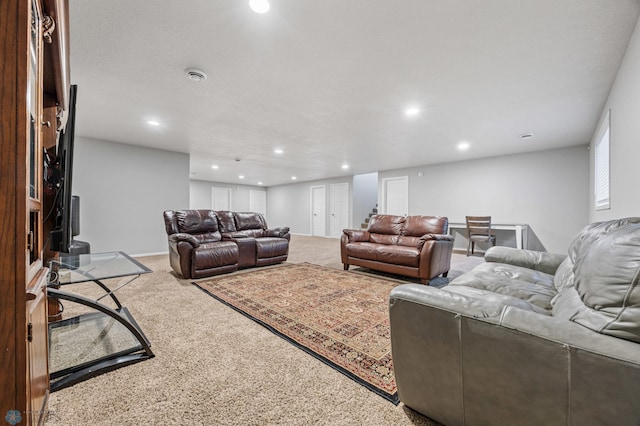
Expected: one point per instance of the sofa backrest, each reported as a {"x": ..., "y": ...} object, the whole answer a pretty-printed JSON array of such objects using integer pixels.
[
  {"x": 202, "y": 224},
  {"x": 603, "y": 290},
  {"x": 417, "y": 226},
  {"x": 250, "y": 223},
  {"x": 385, "y": 228},
  {"x": 226, "y": 221},
  {"x": 404, "y": 230}
]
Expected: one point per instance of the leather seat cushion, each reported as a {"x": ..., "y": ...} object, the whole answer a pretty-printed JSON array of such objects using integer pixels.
[
  {"x": 271, "y": 247},
  {"x": 399, "y": 255},
  {"x": 213, "y": 255},
  {"x": 362, "y": 250},
  {"x": 532, "y": 286}
]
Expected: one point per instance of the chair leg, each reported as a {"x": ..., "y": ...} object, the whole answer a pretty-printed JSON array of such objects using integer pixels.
[
  {"x": 473, "y": 246},
  {"x": 445, "y": 274},
  {"x": 346, "y": 266},
  {"x": 468, "y": 247}
]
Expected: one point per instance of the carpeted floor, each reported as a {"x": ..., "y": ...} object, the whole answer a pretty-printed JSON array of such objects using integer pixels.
[{"x": 213, "y": 366}]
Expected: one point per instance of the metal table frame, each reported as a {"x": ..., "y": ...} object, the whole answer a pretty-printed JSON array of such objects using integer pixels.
[{"x": 72, "y": 375}]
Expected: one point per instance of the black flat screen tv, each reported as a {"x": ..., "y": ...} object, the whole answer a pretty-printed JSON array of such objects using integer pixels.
[{"x": 62, "y": 232}]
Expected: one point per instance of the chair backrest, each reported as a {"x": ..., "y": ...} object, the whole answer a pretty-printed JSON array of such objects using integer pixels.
[{"x": 479, "y": 225}]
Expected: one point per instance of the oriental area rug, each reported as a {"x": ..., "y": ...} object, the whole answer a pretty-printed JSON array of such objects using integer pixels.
[{"x": 339, "y": 317}]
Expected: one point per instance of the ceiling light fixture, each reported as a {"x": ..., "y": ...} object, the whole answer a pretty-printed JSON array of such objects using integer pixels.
[
  {"x": 345, "y": 166},
  {"x": 153, "y": 123},
  {"x": 526, "y": 136},
  {"x": 293, "y": 178},
  {"x": 215, "y": 167},
  {"x": 463, "y": 146},
  {"x": 195, "y": 74},
  {"x": 412, "y": 112},
  {"x": 259, "y": 6},
  {"x": 259, "y": 183},
  {"x": 278, "y": 151},
  {"x": 241, "y": 177}
]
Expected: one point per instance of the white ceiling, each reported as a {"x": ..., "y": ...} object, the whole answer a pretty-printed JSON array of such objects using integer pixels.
[{"x": 327, "y": 81}]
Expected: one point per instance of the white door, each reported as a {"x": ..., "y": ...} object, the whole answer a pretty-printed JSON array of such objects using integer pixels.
[
  {"x": 220, "y": 198},
  {"x": 395, "y": 195},
  {"x": 318, "y": 210},
  {"x": 258, "y": 202},
  {"x": 339, "y": 208}
]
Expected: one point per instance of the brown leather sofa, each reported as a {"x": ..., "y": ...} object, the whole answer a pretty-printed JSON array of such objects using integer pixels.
[
  {"x": 203, "y": 243},
  {"x": 414, "y": 246},
  {"x": 527, "y": 338}
]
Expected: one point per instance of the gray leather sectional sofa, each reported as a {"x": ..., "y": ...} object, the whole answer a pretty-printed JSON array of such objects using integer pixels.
[{"x": 527, "y": 338}]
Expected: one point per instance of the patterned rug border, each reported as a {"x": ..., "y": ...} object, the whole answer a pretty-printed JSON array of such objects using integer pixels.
[{"x": 393, "y": 398}]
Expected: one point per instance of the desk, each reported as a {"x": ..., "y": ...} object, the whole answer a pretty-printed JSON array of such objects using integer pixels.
[
  {"x": 521, "y": 231},
  {"x": 100, "y": 338}
]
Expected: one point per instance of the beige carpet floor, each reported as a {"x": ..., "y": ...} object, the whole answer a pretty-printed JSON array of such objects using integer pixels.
[{"x": 213, "y": 366}]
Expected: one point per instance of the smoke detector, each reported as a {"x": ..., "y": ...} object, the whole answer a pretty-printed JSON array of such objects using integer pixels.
[{"x": 195, "y": 74}]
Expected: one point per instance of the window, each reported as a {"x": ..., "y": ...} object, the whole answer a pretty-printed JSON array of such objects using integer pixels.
[{"x": 602, "y": 165}]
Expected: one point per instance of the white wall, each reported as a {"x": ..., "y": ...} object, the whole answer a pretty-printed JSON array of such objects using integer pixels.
[
  {"x": 546, "y": 189},
  {"x": 200, "y": 195},
  {"x": 290, "y": 205},
  {"x": 624, "y": 102},
  {"x": 123, "y": 191}
]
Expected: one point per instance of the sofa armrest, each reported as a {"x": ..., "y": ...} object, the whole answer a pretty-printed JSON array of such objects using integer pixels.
[
  {"x": 277, "y": 232},
  {"x": 355, "y": 235},
  {"x": 181, "y": 236},
  {"x": 536, "y": 260},
  {"x": 435, "y": 237},
  {"x": 448, "y": 301}
]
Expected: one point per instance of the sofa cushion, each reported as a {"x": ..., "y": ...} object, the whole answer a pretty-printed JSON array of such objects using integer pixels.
[
  {"x": 386, "y": 239},
  {"x": 532, "y": 286},
  {"x": 271, "y": 247},
  {"x": 386, "y": 224},
  {"x": 202, "y": 224},
  {"x": 417, "y": 226},
  {"x": 249, "y": 220},
  {"x": 362, "y": 250},
  {"x": 213, "y": 255},
  {"x": 226, "y": 221},
  {"x": 607, "y": 279},
  {"x": 399, "y": 255}
]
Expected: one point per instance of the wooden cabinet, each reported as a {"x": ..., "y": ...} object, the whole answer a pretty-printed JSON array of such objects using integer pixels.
[{"x": 34, "y": 85}]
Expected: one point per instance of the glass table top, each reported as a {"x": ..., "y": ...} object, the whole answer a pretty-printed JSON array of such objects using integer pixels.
[{"x": 97, "y": 266}]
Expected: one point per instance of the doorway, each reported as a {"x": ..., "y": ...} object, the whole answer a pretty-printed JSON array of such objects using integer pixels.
[
  {"x": 258, "y": 202},
  {"x": 395, "y": 195},
  {"x": 339, "y": 202},
  {"x": 220, "y": 198},
  {"x": 318, "y": 210}
]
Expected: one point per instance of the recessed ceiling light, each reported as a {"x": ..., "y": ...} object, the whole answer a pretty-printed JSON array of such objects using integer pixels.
[
  {"x": 215, "y": 167},
  {"x": 526, "y": 136},
  {"x": 259, "y": 183},
  {"x": 345, "y": 166},
  {"x": 293, "y": 178},
  {"x": 412, "y": 111},
  {"x": 195, "y": 74},
  {"x": 241, "y": 177},
  {"x": 463, "y": 146},
  {"x": 259, "y": 6},
  {"x": 278, "y": 151},
  {"x": 153, "y": 123}
]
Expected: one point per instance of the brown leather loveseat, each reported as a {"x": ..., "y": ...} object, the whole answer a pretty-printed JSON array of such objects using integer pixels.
[
  {"x": 415, "y": 246},
  {"x": 203, "y": 243}
]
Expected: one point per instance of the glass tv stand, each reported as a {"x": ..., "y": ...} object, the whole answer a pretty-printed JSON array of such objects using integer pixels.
[{"x": 102, "y": 335}]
